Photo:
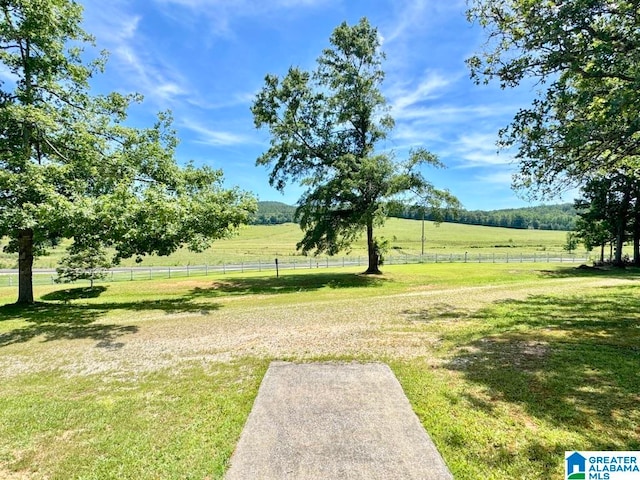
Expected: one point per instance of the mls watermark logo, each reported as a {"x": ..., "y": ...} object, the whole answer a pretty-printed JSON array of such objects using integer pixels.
[
  {"x": 575, "y": 466},
  {"x": 602, "y": 465}
]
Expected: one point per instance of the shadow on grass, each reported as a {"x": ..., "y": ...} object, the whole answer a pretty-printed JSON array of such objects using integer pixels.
[
  {"x": 631, "y": 273},
  {"x": 63, "y": 317},
  {"x": 287, "y": 284},
  {"x": 53, "y": 321},
  {"x": 572, "y": 362},
  {"x": 69, "y": 294},
  {"x": 70, "y": 321}
]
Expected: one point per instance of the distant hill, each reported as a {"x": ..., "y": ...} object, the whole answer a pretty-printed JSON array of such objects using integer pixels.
[
  {"x": 273, "y": 213},
  {"x": 544, "y": 217}
]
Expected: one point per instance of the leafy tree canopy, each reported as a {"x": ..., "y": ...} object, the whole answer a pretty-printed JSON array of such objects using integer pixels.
[
  {"x": 325, "y": 125},
  {"x": 83, "y": 263},
  {"x": 587, "y": 54},
  {"x": 70, "y": 167}
]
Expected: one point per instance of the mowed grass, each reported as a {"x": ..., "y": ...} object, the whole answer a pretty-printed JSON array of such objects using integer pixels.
[
  {"x": 270, "y": 241},
  {"x": 507, "y": 366}
]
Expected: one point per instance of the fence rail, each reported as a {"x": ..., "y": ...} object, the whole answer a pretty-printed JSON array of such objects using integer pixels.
[{"x": 9, "y": 277}]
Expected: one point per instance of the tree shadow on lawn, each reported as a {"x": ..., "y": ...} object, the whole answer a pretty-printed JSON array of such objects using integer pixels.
[
  {"x": 69, "y": 294},
  {"x": 62, "y": 319},
  {"x": 290, "y": 283},
  {"x": 573, "y": 362},
  {"x": 631, "y": 273}
]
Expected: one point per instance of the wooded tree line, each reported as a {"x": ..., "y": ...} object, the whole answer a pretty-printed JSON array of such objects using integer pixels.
[
  {"x": 273, "y": 213},
  {"x": 544, "y": 217}
]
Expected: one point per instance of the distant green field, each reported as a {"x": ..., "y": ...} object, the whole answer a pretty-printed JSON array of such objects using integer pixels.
[{"x": 269, "y": 241}]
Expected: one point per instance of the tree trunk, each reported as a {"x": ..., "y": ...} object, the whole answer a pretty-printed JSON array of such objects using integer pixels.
[
  {"x": 374, "y": 257},
  {"x": 617, "y": 261},
  {"x": 636, "y": 242},
  {"x": 611, "y": 250},
  {"x": 623, "y": 220},
  {"x": 636, "y": 232},
  {"x": 25, "y": 267}
]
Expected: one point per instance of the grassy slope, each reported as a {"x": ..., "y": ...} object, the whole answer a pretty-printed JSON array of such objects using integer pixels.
[
  {"x": 506, "y": 366},
  {"x": 269, "y": 241}
]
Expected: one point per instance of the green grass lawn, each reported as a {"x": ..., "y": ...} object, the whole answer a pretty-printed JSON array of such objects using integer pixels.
[
  {"x": 507, "y": 366},
  {"x": 270, "y": 241}
]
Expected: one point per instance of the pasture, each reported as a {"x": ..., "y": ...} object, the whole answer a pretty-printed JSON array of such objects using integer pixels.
[
  {"x": 507, "y": 366},
  {"x": 269, "y": 241}
]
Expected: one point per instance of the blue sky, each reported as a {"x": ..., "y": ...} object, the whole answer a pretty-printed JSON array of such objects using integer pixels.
[{"x": 206, "y": 59}]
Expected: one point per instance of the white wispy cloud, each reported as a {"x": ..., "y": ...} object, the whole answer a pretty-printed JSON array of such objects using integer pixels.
[
  {"x": 234, "y": 100},
  {"x": 417, "y": 14},
  {"x": 117, "y": 29},
  {"x": 503, "y": 177},
  {"x": 479, "y": 150},
  {"x": 405, "y": 98},
  {"x": 212, "y": 137},
  {"x": 432, "y": 123},
  {"x": 221, "y": 14}
]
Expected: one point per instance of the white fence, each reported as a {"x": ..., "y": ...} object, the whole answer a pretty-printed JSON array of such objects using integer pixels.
[{"x": 47, "y": 276}]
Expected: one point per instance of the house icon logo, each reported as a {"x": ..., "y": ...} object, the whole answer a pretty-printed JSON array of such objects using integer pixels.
[{"x": 576, "y": 467}]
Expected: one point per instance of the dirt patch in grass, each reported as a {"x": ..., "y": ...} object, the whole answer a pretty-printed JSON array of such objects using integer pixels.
[{"x": 404, "y": 326}]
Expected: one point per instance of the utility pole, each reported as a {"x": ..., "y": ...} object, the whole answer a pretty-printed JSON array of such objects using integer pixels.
[{"x": 422, "y": 252}]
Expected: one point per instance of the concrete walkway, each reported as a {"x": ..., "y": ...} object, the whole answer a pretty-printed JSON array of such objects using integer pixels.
[{"x": 334, "y": 421}]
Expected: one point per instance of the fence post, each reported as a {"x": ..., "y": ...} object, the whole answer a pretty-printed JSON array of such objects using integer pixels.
[
  {"x": 169, "y": 272},
  {"x": 206, "y": 269},
  {"x": 132, "y": 274},
  {"x": 187, "y": 270},
  {"x": 150, "y": 274},
  {"x": 436, "y": 258}
]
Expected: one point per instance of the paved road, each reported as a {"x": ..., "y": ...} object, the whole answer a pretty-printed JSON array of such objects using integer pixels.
[{"x": 334, "y": 421}]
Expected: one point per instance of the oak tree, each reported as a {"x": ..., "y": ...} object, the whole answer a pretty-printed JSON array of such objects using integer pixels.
[{"x": 70, "y": 167}]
